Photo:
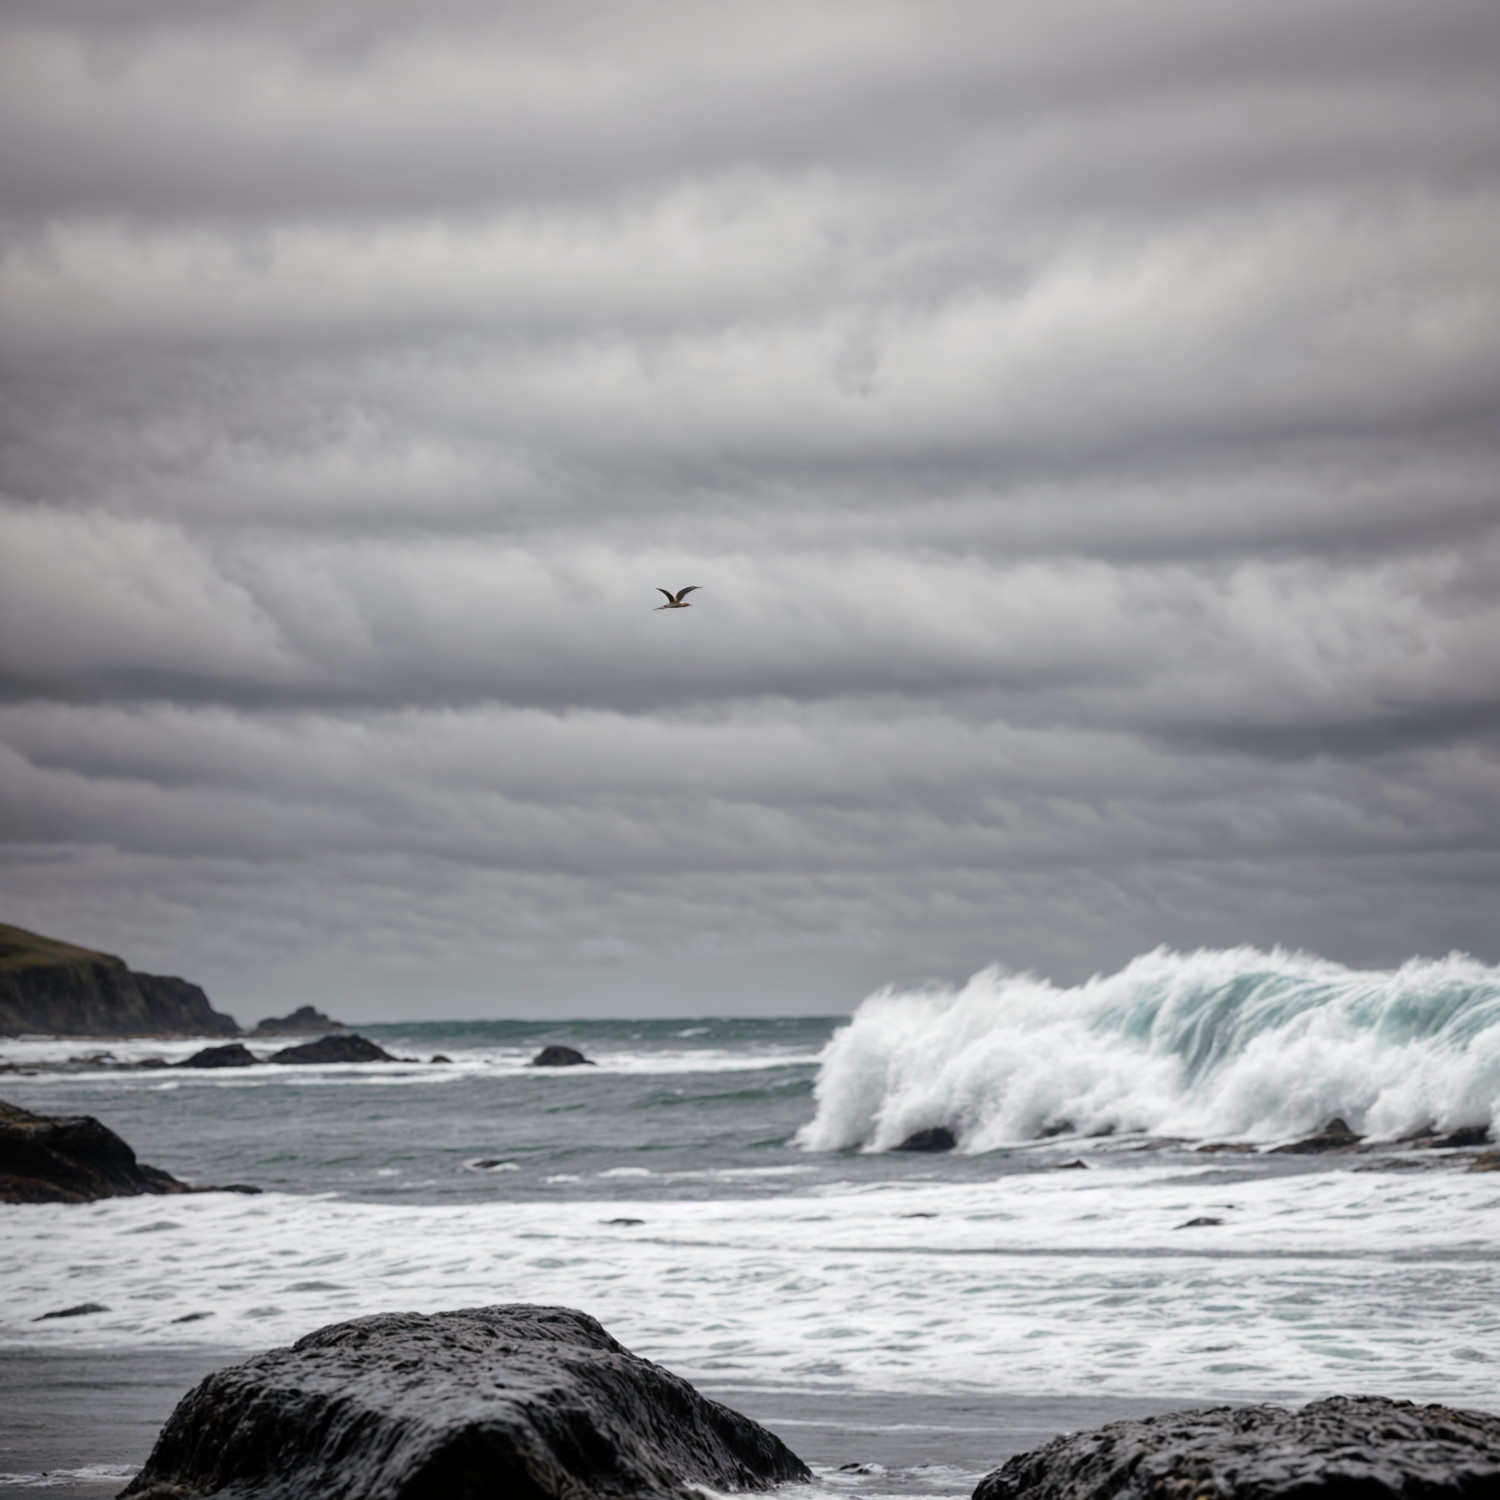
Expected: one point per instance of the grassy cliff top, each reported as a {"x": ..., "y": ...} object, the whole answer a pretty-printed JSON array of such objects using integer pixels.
[{"x": 20, "y": 949}]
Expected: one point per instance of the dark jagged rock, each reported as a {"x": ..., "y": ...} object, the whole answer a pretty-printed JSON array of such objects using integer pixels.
[
  {"x": 438, "y": 1057},
  {"x": 1203, "y": 1221},
  {"x": 304, "y": 1021},
  {"x": 70, "y": 1159},
  {"x": 1076, "y": 1165},
  {"x": 1343, "y": 1448},
  {"x": 1334, "y": 1136},
  {"x": 75, "y": 1159},
  {"x": 58, "y": 989},
  {"x": 1488, "y": 1161},
  {"x": 230, "y": 1055},
  {"x": 1240, "y": 1147},
  {"x": 561, "y": 1057},
  {"x": 934, "y": 1138},
  {"x": 528, "y": 1403},
  {"x": 347, "y": 1047}
]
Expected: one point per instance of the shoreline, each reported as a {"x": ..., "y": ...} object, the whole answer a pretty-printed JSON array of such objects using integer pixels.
[{"x": 102, "y": 1409}]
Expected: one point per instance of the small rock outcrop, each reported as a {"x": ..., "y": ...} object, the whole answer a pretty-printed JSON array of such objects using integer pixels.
[
  {"x": 58, "y": 989},
  {"x": 934, "y": 1138},
  {"x": 230, "y": 1055},
  {"x": 304, "y": 1021},
  {"x": 1334, "y": 1136},
  {"x": 561, "y": 1057},
  {"x": 1343, "y": 1448},
  {"x": 70, "y": 1159},
  {"x": 529, "y": 1403},
  {"x": 346, "y": 1047}
]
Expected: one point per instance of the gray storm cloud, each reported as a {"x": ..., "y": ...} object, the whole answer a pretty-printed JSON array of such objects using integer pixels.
[{"x": 1083, "y": 433}]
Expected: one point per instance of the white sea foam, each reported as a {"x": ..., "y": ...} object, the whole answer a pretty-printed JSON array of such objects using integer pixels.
[
  {"x": 1043, "y": 1282},
  {"x": 1238, "y": 1044}
]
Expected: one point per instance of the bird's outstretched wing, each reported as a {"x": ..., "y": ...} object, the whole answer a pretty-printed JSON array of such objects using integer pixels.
[
  {"x": 688, "y": 590},
  {"x": 670, "y": 599}
]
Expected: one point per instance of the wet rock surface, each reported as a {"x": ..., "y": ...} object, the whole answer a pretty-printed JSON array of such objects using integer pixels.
[
  {"x": 1334, "y": 1136},
  {"x": 520, "y": 1401},
  {"x": 561, "y": 1057},
  {"x": 70, "y": 1159},
  {"x": 935, "y": 1138},
  {"x": 346, "y": 1047},
  {"x": 75, "y": 1159},
  {"x": 1343, "y": 1448},
  {"x": 230, "y": 1055}
]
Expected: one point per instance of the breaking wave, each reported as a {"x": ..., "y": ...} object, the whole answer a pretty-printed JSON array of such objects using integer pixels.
[{"x": 1223, "y": 1044}]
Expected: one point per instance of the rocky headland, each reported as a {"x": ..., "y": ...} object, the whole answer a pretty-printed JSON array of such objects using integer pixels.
[
  {"x": 532, "y": 1403},
  {"x": 75, "y": 1159},
  {"x": 48, "y": 987}
]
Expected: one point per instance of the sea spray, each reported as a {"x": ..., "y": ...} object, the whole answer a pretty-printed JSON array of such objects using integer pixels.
[{"x": 1234, "y": 1044}]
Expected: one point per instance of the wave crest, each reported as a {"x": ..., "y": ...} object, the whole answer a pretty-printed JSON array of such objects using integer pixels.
[{"x": 1233, "y": 1043}]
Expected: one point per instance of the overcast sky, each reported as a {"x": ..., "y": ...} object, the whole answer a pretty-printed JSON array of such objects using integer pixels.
[{"x": 1081, "y": 419}]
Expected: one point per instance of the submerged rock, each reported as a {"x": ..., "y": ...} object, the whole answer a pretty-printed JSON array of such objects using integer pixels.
[
  {"x": 1343, "y": 1448},
  {"x": 230, "y": 1055},
  {"x": 528, "y": 1403},
  {"x": 348, "y": 1047},
  {"x": 561, "y": 1057},
  {"x": 83, "y": 1309},
  {"x": 70, "y": 1159},
  {"x": 304, "y": 1021},
  {"x": 934, "y": 1138}
]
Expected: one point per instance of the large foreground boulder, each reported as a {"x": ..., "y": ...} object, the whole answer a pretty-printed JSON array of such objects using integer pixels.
[
  {"x": 519, "y": 1402},
  {"x": 70, "y": 1159},
  {"x": 1344, "y": 1448}
]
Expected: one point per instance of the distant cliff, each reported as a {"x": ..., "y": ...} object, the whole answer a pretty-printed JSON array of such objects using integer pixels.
[{"x": 58, "y": 989}]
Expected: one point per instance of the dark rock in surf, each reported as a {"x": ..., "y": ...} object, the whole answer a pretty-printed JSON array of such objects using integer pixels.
[
  {"x": 59, "y": 989},
  {"x": 532, "y": 1403},
  {"x": 230, "y": 1055},
  {"x": 304, "y": 1021},
  {"x": 82, "y": 1310},
  {"x": 1203, "y": 1221},
  {"x": 1468, "y": 1135},
  {"x": 561, "y": 1057},
  {"x": 1076, "y": 1165},
  {"x": 1342, "y": 1448},
  {"x": 1241, "y": 1147},
  {"x": 70, "y": 1159},
  {"x": 1334, "y": 1136},
  {"x": 934, "y": 1138},
  {"x": 438, "y": 1057},
  {"x": 1488, "y": 1162},
  {"x": 348, "y": 1047}
]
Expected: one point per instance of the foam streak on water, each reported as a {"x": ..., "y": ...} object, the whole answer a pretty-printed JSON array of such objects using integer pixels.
[{"x": 1241, "y": 1044}]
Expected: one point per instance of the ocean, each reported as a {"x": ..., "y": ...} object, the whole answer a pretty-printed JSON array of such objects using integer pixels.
[{"x": 721, "y": 1195}]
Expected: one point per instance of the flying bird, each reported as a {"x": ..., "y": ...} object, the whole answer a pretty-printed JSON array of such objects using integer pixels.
[{"x": 676, "y": 601}]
